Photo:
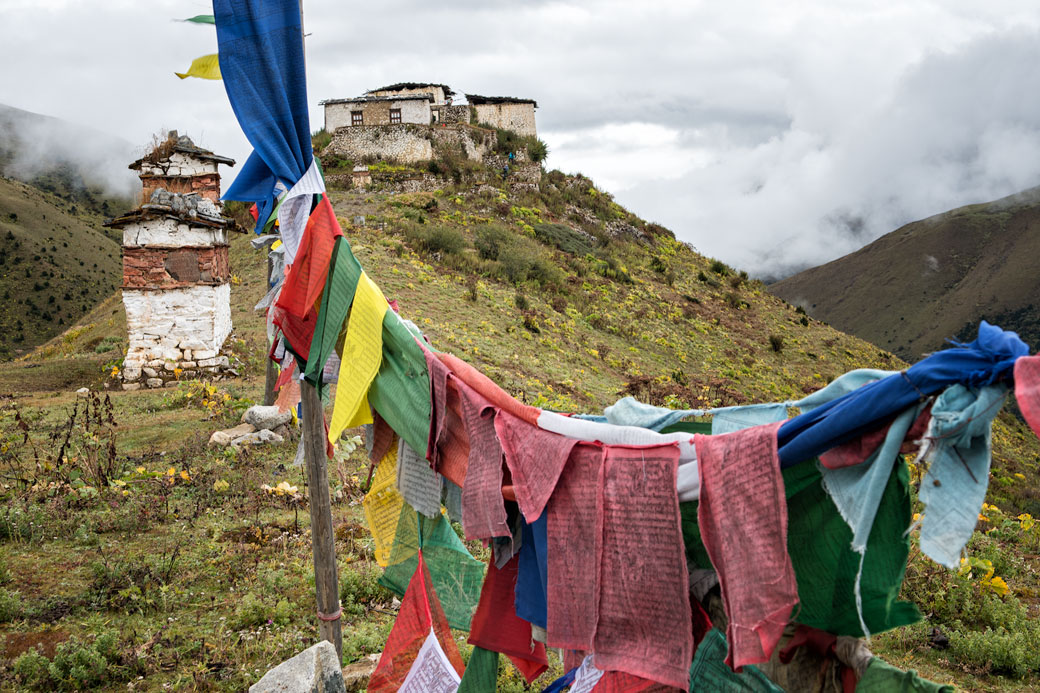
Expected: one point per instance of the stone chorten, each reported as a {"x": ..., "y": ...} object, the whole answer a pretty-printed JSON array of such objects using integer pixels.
[{"x": 176, "y": 276}]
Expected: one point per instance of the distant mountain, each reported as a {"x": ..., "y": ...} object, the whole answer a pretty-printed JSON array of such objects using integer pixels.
[
  {"x": 934, "y": 279},
  {"x": 78, "y": 164}
]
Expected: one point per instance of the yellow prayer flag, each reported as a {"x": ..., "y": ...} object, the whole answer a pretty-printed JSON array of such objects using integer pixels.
[
  {"x": 383, "y": 505},
  {"x": 206, "y": 67},
  {"x": 362, "y": 354}
]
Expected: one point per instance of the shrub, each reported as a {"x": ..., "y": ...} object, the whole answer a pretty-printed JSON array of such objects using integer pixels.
[
  {"x": 998, "y": 650},
  {"x": 520, "y": 301},
  {"x": 776, "y": 342},
  {"x": 76, "y": 665},
  {"x": 719, "y": 267},
  {"x": 490, "y": 240},
  {"x": 563, "y": 237},
  {"x": 522, "y": 260},
  {"x": 31, "y": 668},
  {"x": 249, "y": 612},
  {"x": 359, "y": 588},
  {"x": 10, "y": 605}
]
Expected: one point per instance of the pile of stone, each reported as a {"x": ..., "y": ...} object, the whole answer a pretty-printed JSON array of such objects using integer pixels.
[{"x": 260, "y": 426}]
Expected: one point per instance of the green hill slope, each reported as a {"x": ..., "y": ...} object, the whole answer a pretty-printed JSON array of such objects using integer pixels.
[
  {"x": 56, "y": 266},
  {"x": 933, "y": 279}
]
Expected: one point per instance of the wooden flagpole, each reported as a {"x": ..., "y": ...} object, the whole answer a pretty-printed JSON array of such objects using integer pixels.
[{"x": 323, "y": 541}]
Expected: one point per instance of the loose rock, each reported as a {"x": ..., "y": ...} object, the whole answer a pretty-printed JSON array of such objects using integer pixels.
[
  {"x": 266, "y": 418},
  {"x": 315, "y": 670}
]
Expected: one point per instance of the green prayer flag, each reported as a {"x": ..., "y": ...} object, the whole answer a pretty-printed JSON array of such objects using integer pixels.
[
  {"x": 401, "y": 389},
  {"x": 882, "y": 677},
  {"x": 481, "y": 675},
  {"x": 457, "y": 576},
  {"x": 344, "y": 272},
  {"x": 819, "y": 542},
  {"x": 709, "y": 671},
  {"x": 201, "y": 19}
]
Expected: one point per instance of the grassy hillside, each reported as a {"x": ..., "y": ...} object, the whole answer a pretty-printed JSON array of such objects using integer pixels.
[
  {"x": 933, "y": 279},
  {"x": 57, "y": 265},
  {"x": 139, "y": 550}
]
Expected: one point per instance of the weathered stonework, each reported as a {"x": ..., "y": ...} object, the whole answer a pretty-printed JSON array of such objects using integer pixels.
[
  {"x": 518, "y": 117},
  {"x": 176, "y": 329},
  {"x": 376, "y": 111},
  {"x": 171, "y": 232},
  {"x": 178, "y": 166},
  {"x": 450, "y": 115},
  {"x": 410, "y": 143},
  {"x": 206, "y": 185},
  {"x": 175, "y": 268}
]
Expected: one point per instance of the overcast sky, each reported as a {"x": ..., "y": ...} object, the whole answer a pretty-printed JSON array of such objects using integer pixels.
[{"x": 771, "y": 135}]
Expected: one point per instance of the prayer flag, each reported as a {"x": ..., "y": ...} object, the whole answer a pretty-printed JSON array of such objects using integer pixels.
[
  {"x": 206, "y": 67},
  {"x": 420, "y": 616},
  {"x": 362, "y": 354}
]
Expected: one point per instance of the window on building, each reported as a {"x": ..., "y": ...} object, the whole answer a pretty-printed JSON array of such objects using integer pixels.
[
  {"x": 395, "y": 115},
  {"x": 357, "y": 118}
]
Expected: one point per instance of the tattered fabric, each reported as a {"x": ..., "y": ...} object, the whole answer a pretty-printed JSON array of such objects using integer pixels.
[
  {"x": 420, "y": 611},
  {"x": 743, "y": 522},
  {"x": 643, "y": 624},
  {"x": 987, "y": 360},
  {"x": 709, "y": 671},
  {"x": 496, "y": 626},
  {"x": 456, "y": 575},
  {"x": 1027, "y": 390},
  {"x": 955, "y": 484},
  {"x": 535, "y": 458},
  {"x": 483, "y": 509}
]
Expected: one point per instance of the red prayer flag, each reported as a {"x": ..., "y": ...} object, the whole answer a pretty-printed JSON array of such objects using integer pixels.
[
  {"x": 497, "y": 628},
  {"x": 420, "y": 610},
  {"x": 305, "y": 278}
]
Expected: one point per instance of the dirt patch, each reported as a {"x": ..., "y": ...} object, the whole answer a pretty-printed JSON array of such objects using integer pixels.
[{"x": 46, "y": 641}]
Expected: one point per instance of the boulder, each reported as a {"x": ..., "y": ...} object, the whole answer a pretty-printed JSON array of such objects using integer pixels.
[
  {"x": 261, "y": 437},
  {"x": 356, "y": 675},
  {"x": 227, "y": 436},
  {"x": 266, "y": 418},
  {"x": 315, "y": 670},
  {"x": 220, "y": 439}
]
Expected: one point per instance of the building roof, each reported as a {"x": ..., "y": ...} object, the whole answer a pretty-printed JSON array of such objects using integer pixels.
[
  {"x": 183, "y": 145},
  {"x": 478, "y": 100},
  {"x": 372, "y": 99},
  {"x": 413, "y": 85}
]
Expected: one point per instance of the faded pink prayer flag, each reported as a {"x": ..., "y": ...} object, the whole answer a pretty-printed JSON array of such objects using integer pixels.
[
  {"x": 483, "y": 509},
  {"x": 743, "y": 522},
  {"x": 643, "y": 625},
  {"x": 535, "y": 458},
  {"x": 574, "y": 545},
  {"x": 448, "y": 445},
  {"x": 489, "y": 389},
  {"x": 1027, "y": 389}
]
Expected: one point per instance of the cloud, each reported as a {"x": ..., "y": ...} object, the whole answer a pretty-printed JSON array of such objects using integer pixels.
[
  {"x": 957, "y": 127},
  {"x": 773, "y": 136}
]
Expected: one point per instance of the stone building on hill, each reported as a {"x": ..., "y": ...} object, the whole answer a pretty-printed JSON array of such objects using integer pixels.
[
  {"x": 410, "y": 121},
  {"x": 176, "y": 275},
  {"x": 505, "y": 112}
]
